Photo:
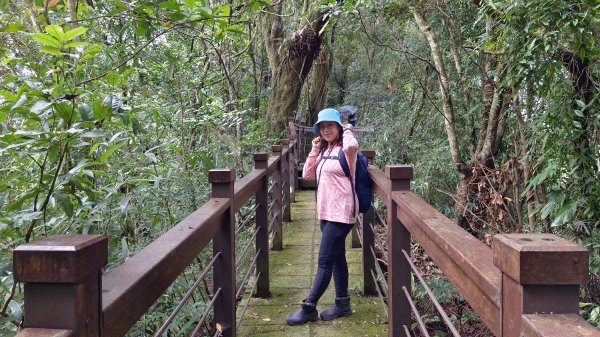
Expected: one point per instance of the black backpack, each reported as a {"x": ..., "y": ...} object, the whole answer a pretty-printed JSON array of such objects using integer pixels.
[{"x": 364, "y": 185}]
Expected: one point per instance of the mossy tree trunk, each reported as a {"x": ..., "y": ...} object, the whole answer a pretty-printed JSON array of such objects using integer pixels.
[
  {"x": 291, "y": 62},
  {"x": 317, "y": 96}
]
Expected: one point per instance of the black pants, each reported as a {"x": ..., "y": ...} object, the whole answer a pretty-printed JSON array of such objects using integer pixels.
[{"x": 332, "y": 260}]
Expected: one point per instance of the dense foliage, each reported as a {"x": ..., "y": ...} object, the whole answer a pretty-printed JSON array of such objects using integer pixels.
[{"x": 112, "y": 113}]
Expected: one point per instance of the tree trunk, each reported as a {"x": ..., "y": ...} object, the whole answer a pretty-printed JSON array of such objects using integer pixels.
[
  {"x": 73, "y": 13},
  {"x": 491, "y": 130},
  {"x": 317, "y": 95},
  {"x": 292, "y": 68},
  {"x": 448, "y": 107}
]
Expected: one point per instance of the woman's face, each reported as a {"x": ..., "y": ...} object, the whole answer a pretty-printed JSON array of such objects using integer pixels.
[{"x": 329, "y": 131}]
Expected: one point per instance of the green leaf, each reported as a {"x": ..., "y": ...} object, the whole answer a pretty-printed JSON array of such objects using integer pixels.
[
  {"x": 124, "y": 202},
  {"x": 92, "y": 49},
  {"x": 94, "y": 147},
  {"x": 120, "y": 7},
  {"x": 15, "y": 310},
  {"x": 46, "y": 40},
  {"x": 75, "y": 32},
  {"x": 65, "y": 111},
  {"x": 64, "y": 202},
  {"x": 85, "y": 111},
  {"x": 76, "y": 44},
  {"x": 57, "y": 32},
  {"x": 40, "y": 106},
  {"x": 110, "y": 151},
  {"x": 224, "y": 10},
  {"x": 565, "y": 213},
  {"x": 256, "y": 5},
  {"x": 206, "y": 12},
  {"x": 190, "y": 4},
  {"x": 90, "y": 52},
  {"x": 151, "y": 156},
  {"x": 20, "y": 102},
  {"x": 79, "y": 166},
  {"x": 547, "y": 209},
  {"x": 51, "y": 50},
  {"x": 580, "y": 103},
  {"x": 93, "y": 134},
  {"x": 8, "y": 96},
  {"x": 235, "y": 29},
  {"x": 142, "y": 28},
  {"x": 112, "y": 79},
  {"x": 170, "y": 5},
  {"x": 14, "y": 27}
]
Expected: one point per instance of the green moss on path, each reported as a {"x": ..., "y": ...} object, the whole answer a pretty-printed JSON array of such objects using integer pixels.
[{"x": 292, "y": 273}]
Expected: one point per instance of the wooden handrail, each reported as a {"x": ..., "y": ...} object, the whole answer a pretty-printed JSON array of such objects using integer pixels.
[
  {"x": 246, "y": 187},
  {"x": 499, "y": 296},
  {"x": 130, "y": 289},
  {"x": 471, "y": 270}
]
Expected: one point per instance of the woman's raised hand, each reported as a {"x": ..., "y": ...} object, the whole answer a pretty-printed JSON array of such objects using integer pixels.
[{"x": 316, "y": 143}]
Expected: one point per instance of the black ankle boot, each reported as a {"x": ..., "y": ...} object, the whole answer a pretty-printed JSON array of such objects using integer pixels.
[
  {"x": 306, "y": 313},
  {"x": 341, "y": 308}
]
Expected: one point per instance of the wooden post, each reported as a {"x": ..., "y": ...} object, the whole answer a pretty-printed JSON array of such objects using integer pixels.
[
  {"x": 293, "y": 158},
  {"x": 287, "y": 212},
  {"x": 355, "y": 240},
  {"x": 277, "y": 243},
  {"x": 293, "y": 168},
  {"x": 398, "y": 239},
  {"x": 224, "y": 243},
  {"x": 302, "y": 145},
  {"x": 262, "y": 225},
  {"x": 368, "y": 240},
  {"x": 541, "y": 274},
  {"x": 63, "y": 282}
]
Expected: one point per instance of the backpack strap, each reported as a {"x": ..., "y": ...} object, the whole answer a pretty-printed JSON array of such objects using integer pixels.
[{"x": 344, "y": 162}]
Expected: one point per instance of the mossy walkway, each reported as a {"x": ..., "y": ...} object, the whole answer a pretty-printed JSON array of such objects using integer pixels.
[{"x": 292, "y": 273}]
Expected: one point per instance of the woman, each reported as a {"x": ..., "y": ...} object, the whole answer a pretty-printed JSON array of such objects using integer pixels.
[{"x": 337, "y": 211}]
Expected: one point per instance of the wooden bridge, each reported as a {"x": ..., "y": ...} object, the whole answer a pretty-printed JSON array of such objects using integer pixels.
[{"x": 525, "y": 285}]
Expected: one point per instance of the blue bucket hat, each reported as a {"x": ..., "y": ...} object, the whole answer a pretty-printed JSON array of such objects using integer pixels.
[{"x": 327, "y": 115}]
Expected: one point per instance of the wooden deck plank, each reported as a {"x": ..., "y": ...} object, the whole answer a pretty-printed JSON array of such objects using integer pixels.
[{"x": 293, "y": 271}]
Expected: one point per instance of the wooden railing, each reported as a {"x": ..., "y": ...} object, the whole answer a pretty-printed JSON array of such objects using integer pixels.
[
  {"x": 526, "y": 285},
  {"x": 66, "y": 295}
]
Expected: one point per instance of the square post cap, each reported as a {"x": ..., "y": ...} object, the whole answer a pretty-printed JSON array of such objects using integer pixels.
[
  {"x": 221, "y": 175},
  {"x": 399, "y": 172},
  {"x": 60, "y": 258},
  {"x": 261, "y": 156},
  {"x": 540, "y": 258}
]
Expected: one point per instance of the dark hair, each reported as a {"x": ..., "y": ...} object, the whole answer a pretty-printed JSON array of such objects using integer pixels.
[{"x": 339, "y": 141}]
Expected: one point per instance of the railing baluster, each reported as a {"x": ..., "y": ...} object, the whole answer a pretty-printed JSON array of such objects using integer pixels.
[
  {"x": 286, "y": 169},
  {"x": 262, "y": 223},
  {"x": 398, "y": 238},
  {"x": 277, "y": 198},
  {"x": 224, "y": 270},
  {"x": 368, "y": 241}
]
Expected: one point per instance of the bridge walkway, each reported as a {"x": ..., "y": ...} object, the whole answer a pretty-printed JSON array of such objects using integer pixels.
[{"x": 292, "y": 272}]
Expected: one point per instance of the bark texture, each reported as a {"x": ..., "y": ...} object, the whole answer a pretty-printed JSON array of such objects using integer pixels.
[
  {"x": 317, "y": 95},
  {"x": 472, "y": 174},
  {"x": 291, "y": 64}
]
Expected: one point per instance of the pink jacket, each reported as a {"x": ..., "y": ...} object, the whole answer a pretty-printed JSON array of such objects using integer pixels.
[{"x": 334, "y": 191}]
